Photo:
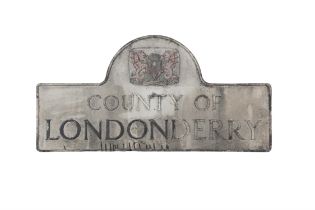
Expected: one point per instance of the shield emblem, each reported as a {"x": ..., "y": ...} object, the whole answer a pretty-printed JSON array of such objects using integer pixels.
[{"x": 154, "y": 66}]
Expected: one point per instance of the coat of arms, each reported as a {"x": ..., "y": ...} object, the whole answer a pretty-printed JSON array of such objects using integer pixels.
[{"x": 154, "y": 66}]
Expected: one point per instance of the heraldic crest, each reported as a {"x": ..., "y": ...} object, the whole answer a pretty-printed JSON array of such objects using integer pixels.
[{"x": 154, "y": 66}]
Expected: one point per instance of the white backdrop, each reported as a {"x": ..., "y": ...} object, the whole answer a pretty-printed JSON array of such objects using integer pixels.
[{"x": 233, "y": 41}]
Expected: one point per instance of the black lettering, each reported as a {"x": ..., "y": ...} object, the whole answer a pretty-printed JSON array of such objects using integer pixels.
[
  {"x": 73, "y": 122},
  {"x": 145, "y": 129},
  {"x": 154, "y": 124},
  {"x": 48, "y": 131},
  {"x": 108, "y": 137},
  {"x": 98, "y": 132}
]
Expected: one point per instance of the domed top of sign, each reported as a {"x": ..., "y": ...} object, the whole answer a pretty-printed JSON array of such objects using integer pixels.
[{"x": 154, "y": 61}]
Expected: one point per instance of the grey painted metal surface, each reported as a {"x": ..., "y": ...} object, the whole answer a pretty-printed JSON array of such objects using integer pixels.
[{"x": 153, "y": 99}]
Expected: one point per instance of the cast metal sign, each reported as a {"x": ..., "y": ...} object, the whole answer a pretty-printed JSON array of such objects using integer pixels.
[{"x": 154, "y": 99}]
